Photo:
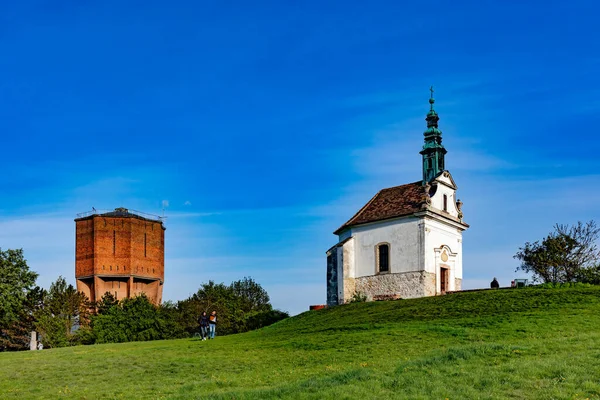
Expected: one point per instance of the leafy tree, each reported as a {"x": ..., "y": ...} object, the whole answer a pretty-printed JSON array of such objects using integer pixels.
[
  {"x": 107, "y": 302},
  {"x": 16, "y": 281},
  {"x": 16, "y": 335},
  {"x": 241, "y": 306},
  {"x": 64, "y": 310},
  {"x": 569, "y": 254},
  {"x": 134, "y": 319},
  {"x": 250, "y": 295},
  {"x": 18, "y": 299}
]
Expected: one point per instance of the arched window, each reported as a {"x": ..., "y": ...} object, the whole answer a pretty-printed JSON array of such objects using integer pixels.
[
  {"x": 445, "y": 203},
  {"x": 383, "y": 258}
]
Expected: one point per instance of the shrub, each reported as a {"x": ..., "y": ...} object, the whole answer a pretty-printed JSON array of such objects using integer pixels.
[{"x": 358, "y": 297}]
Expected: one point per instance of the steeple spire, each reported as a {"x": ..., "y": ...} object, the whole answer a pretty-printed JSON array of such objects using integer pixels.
[
  {"x": 431, "y": 99},
  {"x": 433, "y": 151}
]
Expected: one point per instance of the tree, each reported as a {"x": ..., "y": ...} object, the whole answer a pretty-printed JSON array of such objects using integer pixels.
[
  {"x": 569, "y": 254},
  {"x": 241, "y": 306},
  {"x": 16, "y": 280},
  {"x": 135, "y": 319},
  {"x": 16, "y": 335},
  {"x": 64, "y": 311},
  {"x": 18, "y": 299},
  {"x": 107, "y": 302},
  {"x": 250, "y": 295}
]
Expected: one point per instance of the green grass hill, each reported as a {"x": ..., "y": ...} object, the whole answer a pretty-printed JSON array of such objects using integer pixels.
[{"x": 518, "y": 343}]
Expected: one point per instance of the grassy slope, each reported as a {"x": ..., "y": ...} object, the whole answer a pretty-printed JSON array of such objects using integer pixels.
[{"x": 529, "y": 343}]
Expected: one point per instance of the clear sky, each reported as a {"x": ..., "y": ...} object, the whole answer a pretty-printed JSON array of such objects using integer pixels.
[{"x": 266, "y": 125}]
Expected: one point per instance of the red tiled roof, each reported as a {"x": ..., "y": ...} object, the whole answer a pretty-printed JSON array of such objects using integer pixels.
[{"x": 388, "y": 203}]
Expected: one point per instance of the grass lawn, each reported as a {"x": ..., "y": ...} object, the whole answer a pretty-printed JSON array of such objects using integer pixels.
[{"x": 519, "y": 343}]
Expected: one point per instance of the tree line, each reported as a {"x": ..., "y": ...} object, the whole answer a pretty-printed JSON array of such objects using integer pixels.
[{"x": 62, "y": 316}]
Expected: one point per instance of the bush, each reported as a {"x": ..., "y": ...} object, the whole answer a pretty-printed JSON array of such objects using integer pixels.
[
  {"x": 134, "y": 319},
  {"x": 358, "y": 297},
  {"x": 264, "y": 318}
]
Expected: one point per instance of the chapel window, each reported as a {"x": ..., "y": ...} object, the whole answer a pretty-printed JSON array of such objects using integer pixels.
[
  {"x": 383, "y": 258},
  {"x": 445, "y": 203}
]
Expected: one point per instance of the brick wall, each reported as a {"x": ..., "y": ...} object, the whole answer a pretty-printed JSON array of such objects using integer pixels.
[{"x": 113, "y": 254}]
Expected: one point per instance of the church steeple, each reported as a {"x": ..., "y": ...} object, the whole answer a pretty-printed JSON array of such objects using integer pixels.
[{"x": 433, "y": 151}]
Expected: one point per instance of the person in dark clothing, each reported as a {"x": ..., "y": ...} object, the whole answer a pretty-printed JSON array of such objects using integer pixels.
[
  {"x": 203, "y": 321},
  {"x": 494, "y": 284}
]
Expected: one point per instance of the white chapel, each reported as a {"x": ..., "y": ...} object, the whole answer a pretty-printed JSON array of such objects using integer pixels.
[{"x": 407, "y": 240}]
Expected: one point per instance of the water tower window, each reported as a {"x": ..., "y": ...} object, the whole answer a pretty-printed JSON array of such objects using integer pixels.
[
  {"x": 144, "y": 245},
  {"x": 117, "y": 267},
  {"x": 111, "y": 267},
  {"x": 114, "y": 242}
]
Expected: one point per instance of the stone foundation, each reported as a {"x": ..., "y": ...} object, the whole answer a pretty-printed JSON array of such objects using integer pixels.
[
  {"x": 404, "y": 285},
  {"x": 457, "y": 284}
]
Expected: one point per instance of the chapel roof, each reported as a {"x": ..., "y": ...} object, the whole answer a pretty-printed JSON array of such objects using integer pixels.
[{"x": 397, "y": 201}]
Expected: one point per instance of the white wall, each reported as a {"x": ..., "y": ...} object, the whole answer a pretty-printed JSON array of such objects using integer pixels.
[
  {"x": 403, "y": 237},
  {"x": 437, "y": 200},
  {"x": 438, "y": 236}
]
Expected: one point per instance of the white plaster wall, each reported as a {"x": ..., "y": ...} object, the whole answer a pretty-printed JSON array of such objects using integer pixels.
[
  {"x": 403, "y": 237},
  {"x": 437, "y": 235},
  {"x": 349, "y": 264},
  {"x": 437, "y": 200}
]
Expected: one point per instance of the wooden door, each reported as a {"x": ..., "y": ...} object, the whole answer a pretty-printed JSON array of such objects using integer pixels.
[{"x": 443, "y": 279}]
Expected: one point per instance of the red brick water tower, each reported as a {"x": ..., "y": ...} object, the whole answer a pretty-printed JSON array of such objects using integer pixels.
[{"x": 121, "y": 252}]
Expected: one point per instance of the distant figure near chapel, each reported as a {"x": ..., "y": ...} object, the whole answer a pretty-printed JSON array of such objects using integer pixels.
[{"x": 407, "y": 240}]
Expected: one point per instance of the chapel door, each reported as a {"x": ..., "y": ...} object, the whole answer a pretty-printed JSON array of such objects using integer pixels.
[{"x": 443, "y": 279}]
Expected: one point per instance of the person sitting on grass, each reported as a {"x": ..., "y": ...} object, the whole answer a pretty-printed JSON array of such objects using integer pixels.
[
  {"x": 203, "y": 321},
  {"x": 212, "y": 322},
  {"x": 494, "y": 284}
]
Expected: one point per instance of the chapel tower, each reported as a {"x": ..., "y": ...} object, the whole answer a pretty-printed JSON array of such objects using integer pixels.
[
  {"x": 121, "y": 252},
  {"x": 433, "y": 151}
]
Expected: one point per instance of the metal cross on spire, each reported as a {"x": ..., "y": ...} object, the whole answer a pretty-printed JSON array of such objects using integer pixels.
[{"x": 431, "y": 99}]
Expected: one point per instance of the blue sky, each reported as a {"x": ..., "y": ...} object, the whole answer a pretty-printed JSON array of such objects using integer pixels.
[{"x": 266, "y": 125}]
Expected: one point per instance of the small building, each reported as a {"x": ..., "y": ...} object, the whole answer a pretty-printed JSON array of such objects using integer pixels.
[
  {"x": 121, "y": 252},
  {"x": 406, "y": 241}
]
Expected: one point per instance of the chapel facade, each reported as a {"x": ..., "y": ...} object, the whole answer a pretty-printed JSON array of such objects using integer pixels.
[{"x": 406, "y": 241}]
